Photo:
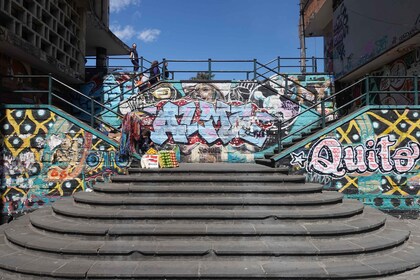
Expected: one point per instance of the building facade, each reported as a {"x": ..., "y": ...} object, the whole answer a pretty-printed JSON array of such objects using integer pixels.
[
  {"x": 55, "y": 36},
  {"x": 362, "y": 38}
]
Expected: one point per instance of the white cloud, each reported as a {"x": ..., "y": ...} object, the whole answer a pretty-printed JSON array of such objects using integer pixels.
[
  {"x": 124, "y": 33},
  {"x": 149, "y": 35},
  {"x": 116, "y": 6}
]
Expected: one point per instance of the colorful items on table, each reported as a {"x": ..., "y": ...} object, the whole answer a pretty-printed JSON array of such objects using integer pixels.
[{"x": 167, "y": 159}]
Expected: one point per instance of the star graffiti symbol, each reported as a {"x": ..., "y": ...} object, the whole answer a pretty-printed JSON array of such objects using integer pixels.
[{"x": 298, "y": 159}]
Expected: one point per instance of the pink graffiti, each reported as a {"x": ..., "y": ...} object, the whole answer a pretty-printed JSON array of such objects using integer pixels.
[{"x": 329, "y": 157}]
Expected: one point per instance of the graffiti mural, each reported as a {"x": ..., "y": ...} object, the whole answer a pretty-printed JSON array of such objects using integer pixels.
[
  {"x": 402, "y": 71},
  {"x": 328, "y": 157},
  {"x": 374, "y": 155},
  {"x": 46, "y": 157},
  {"x": 216, "y": 121}
]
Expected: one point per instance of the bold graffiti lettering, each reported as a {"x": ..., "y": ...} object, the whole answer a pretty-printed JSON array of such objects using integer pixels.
[
  {"x": 325, "y": 156},
  {"x": 212, "y": 122},
  {"x": 405, "y": 158},
  {"x": 354, "y": 159},
  {"x": 329, "y": 157}
]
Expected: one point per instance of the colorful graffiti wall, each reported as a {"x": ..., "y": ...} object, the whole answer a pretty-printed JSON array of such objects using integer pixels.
[
  {"x": 406, "y": 67},
  {"x": 45, "y": 157},
  {"x": 374, "y": 157},
  {"x": 401, "y": 73},
  {"x": 215, "y": 121}
]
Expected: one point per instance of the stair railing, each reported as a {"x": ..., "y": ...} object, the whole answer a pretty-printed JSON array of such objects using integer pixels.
[
  {"x": 50, "y": 95},
  {"x": 364, "y": 98},
  {"x": 133, "y": 88},
  {"x": 286, "y": 86}
]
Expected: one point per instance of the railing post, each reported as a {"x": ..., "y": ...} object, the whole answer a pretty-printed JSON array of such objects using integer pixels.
[
  {"x": 255, "y": 69},
  {"x": 141, "y": 64},
  {"x": 49, "y": 89},
  {"x": 314, "y": 65},
  {"x": 367, "y": 90},
  {"x": 92, "y": 112},
  {"x": 416, "y": 90},
  {"x": 279, "y": 132},
  {"x": 132, "y": 85},
  {"x": 323, "y": 113},
  {"x": 209, "y": 68},
  {"x": 278, "y": 64},
  {"x": 164, "y": 69},
  {"x": 286, "y": 84}
]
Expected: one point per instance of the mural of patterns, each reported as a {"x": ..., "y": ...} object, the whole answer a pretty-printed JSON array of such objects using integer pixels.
[
  {"x": 45, "y": 156},
  {"x": 375, "y": 157}
]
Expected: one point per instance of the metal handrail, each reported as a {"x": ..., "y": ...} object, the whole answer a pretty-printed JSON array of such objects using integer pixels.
[
  {"x": 286, "y": 77},
  {"x": 364, "y": 97},
  {"x": 287, "y": 90},
  {"x": 50, "y": 94},
  {"x": 134, "y": 86},
  {"x": 280, "y": 64}
]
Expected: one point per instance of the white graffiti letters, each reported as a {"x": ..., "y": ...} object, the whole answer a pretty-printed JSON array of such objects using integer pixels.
[
  {"x": 211, "y": 122},
  {"x": 329, "y": 157}
]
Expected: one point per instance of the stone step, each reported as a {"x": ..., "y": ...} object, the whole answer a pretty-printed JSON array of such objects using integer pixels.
[
  {"x": 348, "y": 208},
  {"x": 240, "y": 169},
  {"x": 225, "y": 179},
  {"x": 206, "y": 187},
  {"x": 44, "y": 220},
  {"x": 265, "y": 162},
  {"x": 22, "y": 235},
  {"x": 207, "y": 225},
  {"x": 34, "y": 266},
  {"x": 95, "y": 198}
]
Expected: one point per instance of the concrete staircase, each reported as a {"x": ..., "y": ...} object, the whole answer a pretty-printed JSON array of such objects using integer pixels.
[
  {"x": 206, "y": 221},
  {"x": 268, "y": 159}
]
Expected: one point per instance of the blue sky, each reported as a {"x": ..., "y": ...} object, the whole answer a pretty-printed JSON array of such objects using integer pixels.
[{"x": 217, "y": 29}]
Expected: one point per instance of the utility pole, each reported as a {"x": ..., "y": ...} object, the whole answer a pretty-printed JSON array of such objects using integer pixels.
[{"x": 302, "y": 6}]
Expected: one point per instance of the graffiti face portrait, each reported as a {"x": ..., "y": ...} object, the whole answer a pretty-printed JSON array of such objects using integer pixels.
[{"x": 207, "y": 92}]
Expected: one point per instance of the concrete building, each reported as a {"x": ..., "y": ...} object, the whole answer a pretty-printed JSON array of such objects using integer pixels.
[
  {"x": 55, "y": 36},
  {"x": 379, "y": 37}
]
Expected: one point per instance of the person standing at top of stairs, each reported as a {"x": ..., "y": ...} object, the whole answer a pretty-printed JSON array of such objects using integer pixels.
[{"x": 134, "y": 57}]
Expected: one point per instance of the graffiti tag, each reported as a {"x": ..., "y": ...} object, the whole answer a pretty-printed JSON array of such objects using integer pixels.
[
  {"x": 328, "y": 157},
  {"x": 211, "y": 122}
]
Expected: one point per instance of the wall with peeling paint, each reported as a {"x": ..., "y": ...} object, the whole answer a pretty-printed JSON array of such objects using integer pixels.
[{"x": 45, "y": 157}]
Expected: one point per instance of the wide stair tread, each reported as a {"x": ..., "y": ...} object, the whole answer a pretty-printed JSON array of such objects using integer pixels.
[
  {"x": 226, "y": 179},
  {"x": 24, "y": 261},
  {"x": 95, "y": 198},
  {"x": 207, "y": 187},
  {"x": 46, "y": 221},
  {"x": 22, "y": 235},
  {"x": 348, "y": 208}
]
